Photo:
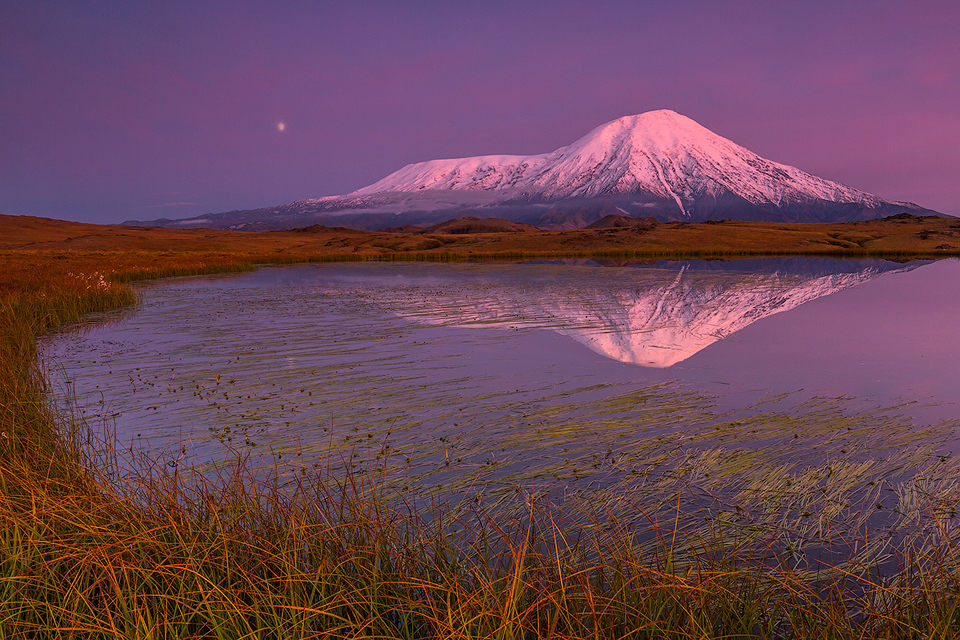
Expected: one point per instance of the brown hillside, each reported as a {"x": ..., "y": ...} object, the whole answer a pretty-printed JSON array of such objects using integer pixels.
[
  {"x": 618, "y": 222},
  {"x": 471, "y": 224}
]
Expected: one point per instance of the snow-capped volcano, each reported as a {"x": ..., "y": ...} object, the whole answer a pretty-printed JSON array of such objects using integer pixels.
[
  {"x": 660, "y": 152},
  {"x": 657, "y": 164}
]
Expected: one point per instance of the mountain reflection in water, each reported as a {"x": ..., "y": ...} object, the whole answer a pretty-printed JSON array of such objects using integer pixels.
[
  {"x": 460, "y": 381},
  {"x": 475, "y": 361},
  {"x": 655, "y": 315}
]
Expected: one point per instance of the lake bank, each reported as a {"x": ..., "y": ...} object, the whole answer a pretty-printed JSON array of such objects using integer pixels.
[{"x": 160, "y": 556}]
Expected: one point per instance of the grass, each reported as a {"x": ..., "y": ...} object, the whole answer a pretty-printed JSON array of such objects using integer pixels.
[{"x": 97, "y": 546}]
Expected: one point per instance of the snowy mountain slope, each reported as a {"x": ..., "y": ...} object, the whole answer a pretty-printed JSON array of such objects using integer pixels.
[
  {"x": 659, "y": 164},
  {"x": 660, "y": 152}
]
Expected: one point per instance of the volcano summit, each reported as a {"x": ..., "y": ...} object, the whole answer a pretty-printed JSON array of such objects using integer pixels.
[{"x": 658, "y": 164}]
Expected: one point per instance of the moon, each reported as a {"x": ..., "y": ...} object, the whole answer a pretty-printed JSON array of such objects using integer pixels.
[{"x": 281, "y": 126}]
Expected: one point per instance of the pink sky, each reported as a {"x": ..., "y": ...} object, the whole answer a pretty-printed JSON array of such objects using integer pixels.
[{"x": 118, "y": 111}]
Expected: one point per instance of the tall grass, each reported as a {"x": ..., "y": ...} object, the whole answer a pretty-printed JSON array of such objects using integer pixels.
[{"x": 98, "y": 547}]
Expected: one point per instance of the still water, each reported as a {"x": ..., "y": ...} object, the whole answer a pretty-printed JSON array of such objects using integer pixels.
[
  {"x": 806, "y": 406},
  {"x": 532, "y": 370}
]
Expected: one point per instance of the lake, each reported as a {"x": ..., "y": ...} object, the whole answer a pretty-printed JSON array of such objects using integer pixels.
[{"x": 800, "y": 385}]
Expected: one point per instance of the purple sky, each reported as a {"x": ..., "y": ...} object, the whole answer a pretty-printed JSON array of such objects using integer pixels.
[{"x": 118, "y": 110}]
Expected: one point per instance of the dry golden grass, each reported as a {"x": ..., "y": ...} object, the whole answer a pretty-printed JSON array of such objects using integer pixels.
[{"x": 891, "y": 237}]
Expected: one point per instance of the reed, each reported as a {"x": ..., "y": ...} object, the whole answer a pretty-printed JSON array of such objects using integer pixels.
[{"x": 95, "y": 545}]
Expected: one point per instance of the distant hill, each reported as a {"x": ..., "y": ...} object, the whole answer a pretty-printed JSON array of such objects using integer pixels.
[
  {"x": 659, "y": 165},
  {"x": 473, "y": 224},
  {"x": 618, "y": 222}
]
